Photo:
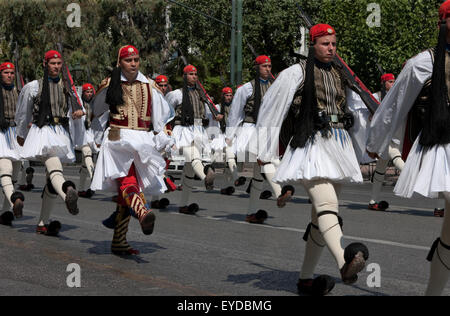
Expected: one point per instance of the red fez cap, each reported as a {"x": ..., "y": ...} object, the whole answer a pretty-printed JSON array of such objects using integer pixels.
[
  {"x": 161, "y": 78},
  {"x": 52, "y": 54},
  {"x": 263, "y": 59},
  {"x": 444, "y": 10},
  {"x": 87, "y": 86},
  {"x": 189, "y": 68},
  {"x": 128, "y": 51},
  {"x": 6, "y": 65},
  {"x": 320, "y": 30},
  {"x": 387, "y": 77},
  {"x": 227, "y": 90}
]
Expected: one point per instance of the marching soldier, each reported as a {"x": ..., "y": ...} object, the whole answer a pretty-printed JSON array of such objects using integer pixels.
[
  {"x": 45, "y": 104},
  {"x": 423, "y": 88},
  {"x": 87, "y": 143},
  {"x": 10, "y": 159},
  {"x": 190, "y": 136},
  {"x": 129, "y": 161},
  {"x": 311, "y": 98},
  {"x": 241, "y": 122}
]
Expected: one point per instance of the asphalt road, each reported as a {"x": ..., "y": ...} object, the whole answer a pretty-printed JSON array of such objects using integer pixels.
[{"x": 214, "y": 252}]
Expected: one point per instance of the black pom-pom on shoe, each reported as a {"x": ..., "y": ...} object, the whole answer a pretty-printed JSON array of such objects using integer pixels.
[
  {"x": 240, "y": 181},
  {"x": 227, "y": 191},
  {"x": 355, "y": 256},
  {"x": 53, "y": 228},
  {"x": 6, "y": 218},
  {"x": 265, "y": 195},
  {"x": 257, "y": 218},
  {"x": 71, "y": 197},
  {"x": 286, "y": 194},
  {"x": 320, "y": 286},
  {"x": 17, "y": 198},
  {"x": 68, "y": 184},
  {"x": 164, "y": 203},
  {"x": 110, "y": 222},
  {"x": 190, "y": 210}
]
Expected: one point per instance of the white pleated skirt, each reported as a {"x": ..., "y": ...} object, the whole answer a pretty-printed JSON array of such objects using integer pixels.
[
  {"x": 163, "y": 142},
  {"x": 48, "y": 141},
  {"x": 332, "y": 158},
  {"x": 9, "y": 148},
  {"x": 116, "y": 157},
  {"x": 88, "y": 139},
  {"x": 218, "y": 142},
  {"x": 359, "y": 133},
  {"x": 426, "y": 171},
  {"x": 245, "y": 138},
  {"x": 185, "y": 136}
]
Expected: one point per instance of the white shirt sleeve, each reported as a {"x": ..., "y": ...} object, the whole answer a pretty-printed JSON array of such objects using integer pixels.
[
  {"x": 397, "y": 103},
  {"x": 162, "y": 111},
  {"x": 274, "y": 109},
  {"x": 237, "y": 115},
  {"x": 24, "y": 110},
  {"x": 174, "y": 98},
  {"x": 360, "y": 129}
]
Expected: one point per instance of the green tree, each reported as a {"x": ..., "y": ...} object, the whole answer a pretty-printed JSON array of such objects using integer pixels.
[
  {"x": 106, "y": 25},
  {"x": 272, "y": 27}
]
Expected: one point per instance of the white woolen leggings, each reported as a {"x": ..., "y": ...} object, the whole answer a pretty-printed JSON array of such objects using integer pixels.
[
  {"x": 324, "y": 197},
  {"x": 440, "y": 264}
]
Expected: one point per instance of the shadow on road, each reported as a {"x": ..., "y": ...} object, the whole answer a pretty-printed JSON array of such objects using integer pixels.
[
  {"x": 31, "y": 229},
  {"x": 412, "y": 212},
  {"x": 283, "y": 281},
  {"x": 271, "y": 279},
  {"x": 104, "y": 247}
]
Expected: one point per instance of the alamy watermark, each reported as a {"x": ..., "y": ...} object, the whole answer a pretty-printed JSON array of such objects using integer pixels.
[
  {"x": 74, "y": 278},
  {"x": 374, "y": 278},
  {"x": 74, "y": 18},
  {"x": 374, "y": 18}
]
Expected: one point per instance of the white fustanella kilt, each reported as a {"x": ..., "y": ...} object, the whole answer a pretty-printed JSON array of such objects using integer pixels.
[
  {"x": 116, "y": 157},
  {"x": 9, "y": 148},
  {"x": 48, "y": 141},
  {"x": 332, "y": 158},
  {"x": 426, "y": 171}
]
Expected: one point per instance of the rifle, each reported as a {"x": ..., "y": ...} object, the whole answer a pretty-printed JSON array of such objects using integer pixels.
[
  {"x": 208, "y": 100},
  {"x": 356, "y": 84},
  {"x": 19, "y": 79},
  {"x": 383, "y": 86},
  {"x": 380, "y": 68},
  {"x": 69, "y": 84}
]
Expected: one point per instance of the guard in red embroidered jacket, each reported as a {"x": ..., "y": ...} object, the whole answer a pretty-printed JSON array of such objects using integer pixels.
[{"x": 130, "y": 161}]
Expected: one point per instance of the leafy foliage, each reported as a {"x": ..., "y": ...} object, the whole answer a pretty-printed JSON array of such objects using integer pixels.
[
  {"x": 106, "y": 25},
  {"x": 271, "y": 27}
]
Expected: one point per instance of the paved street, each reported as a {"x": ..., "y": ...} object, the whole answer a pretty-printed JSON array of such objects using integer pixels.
[{"x": 214, "y": 252}]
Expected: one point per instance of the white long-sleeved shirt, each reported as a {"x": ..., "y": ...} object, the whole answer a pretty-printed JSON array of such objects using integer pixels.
[{"x": 398, "y": 102}]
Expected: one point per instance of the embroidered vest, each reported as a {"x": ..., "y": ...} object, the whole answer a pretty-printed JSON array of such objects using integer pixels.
[
  {"x": 249, "y": 107},
  {"x": 135, "y": 113},
  {"x": 58, "y": 103},
  {"x": 9, "y": 103}
]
